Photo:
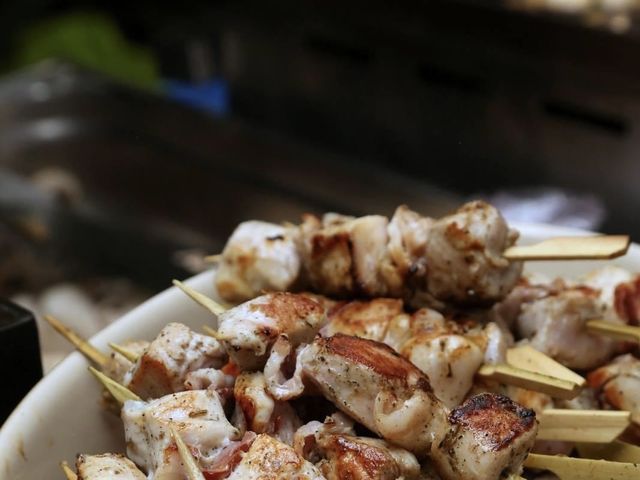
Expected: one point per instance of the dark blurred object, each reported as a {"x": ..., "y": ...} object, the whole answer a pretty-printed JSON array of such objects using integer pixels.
[
  {"x": 20, "y": 366},
  {"x": 465, "y": 94},
  {"x": 112, "y": 180}
]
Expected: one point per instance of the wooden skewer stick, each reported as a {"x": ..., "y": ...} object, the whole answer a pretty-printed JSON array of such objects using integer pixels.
[
  {"x": 193, "y": 471},
  {"x": 208, "y": 303},
  {"x": 600, "y": 247},
  {"x": 528, "y": 358},
  {"x": 125, "y": 352},
  {"x": 569, "y": 468},
  {"x": 615, "y": 451},
  {"x": 88, "y": 350},
  {"x": 213, "y": 258},
  {"x": 614, "y": 330},
  {"x": 597, "y": 426},
  {"x": 211, "y": 332},
  {"x": 510, "y": 375},
  {"x": 70, "y": 474},
  {"x": 119, "y": 392}
]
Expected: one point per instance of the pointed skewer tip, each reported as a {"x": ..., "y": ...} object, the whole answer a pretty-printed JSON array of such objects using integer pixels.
[
  {"x": 202, "y": 300},
  {"x": 119, "y": 392},
  {"x": 125, "y": 352},
  {"x": 70, "y": 474},
  {"x": 193, "y": 471}
]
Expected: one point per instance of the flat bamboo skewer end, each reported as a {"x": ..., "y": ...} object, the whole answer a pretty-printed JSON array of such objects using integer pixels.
[
  {"x": 569, "y": 468},
  {"x": 528, "y": 358},
  {"x": 208, "y": 303},
  {"x": 593, "y": 426},
  {"x": 600, "y": 247},
  {"x": 616, "y": 451},
  {"x": 70, "y": 474},
  {"x": 88, "y": 350},
  {"x": 124, "y": 351},
  {"x": 119, "y": 392},
  {"x": 614, "y": 330},
  {"x": 193, "y": 471},
  {"x": 555, "y": 387}
]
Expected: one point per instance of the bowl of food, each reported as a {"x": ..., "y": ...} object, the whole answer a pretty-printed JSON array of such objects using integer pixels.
[{"x": 417, "y": 364}]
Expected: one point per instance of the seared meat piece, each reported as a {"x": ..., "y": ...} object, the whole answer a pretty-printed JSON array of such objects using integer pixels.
[
  {"x": 197, "y": 416},
  {"x": 267, "y": 458},
  {"x": 464, "y": 256},
  {"x": 555, "y": 325},
  {"x": 619, "y": 290},
  {"x": 258, "y": 257},
  {"x": 489, "y": 438},
  {"x": 341, "y": 255},
  {"x": 617, "y": 385},
  {"x": 175, "y": 352},
  {"x": 341, "y": 455},
  {"x": 248, "y": 330},
  {"x": 371, "y": 383},
  {"x": 365, "y": 319},
  {"x": 107, "y": 467}
]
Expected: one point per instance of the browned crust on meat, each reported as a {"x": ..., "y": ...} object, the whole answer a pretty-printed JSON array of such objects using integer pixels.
[
  {"x": 358, "y": 316},
  {"x": 377, "y": 356},
  {"x": 289, "y": 309},
  {"x": 497, "y": 419},
  {"x": 627, "y": 301},
  {"x": 355, "y": 460},
  {"x": 597, "y": 378},
  {"x": 276, "y": 458},
  {"x": 151, "y": 378}
]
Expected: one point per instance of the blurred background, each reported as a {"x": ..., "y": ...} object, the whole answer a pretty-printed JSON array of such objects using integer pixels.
[{"x": 134, "y": 138}]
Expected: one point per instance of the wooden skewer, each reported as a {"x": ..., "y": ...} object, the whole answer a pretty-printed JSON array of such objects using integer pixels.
[
  {"x": 125, "y": 352},
  {"x": 213, "y": 258},
  {"x": 88, "y": 350},
  {"x": 598, "y": 426},
  {"x": 614, "y": 330},
  {"x": 211, "y": 332},
  {"x": 569, "y": 468},
  {"x": 510, "y": 375},
  {"x": 119, "y": 392},
  {"x": 528, "y": 358},
  {"x": 616, "y": 451},
  {"x": 193, "y": 471},
  {"x": 600, "y": 247},
  {"x": 208, "y": 303},
  {"x": 70, "y": 474}
]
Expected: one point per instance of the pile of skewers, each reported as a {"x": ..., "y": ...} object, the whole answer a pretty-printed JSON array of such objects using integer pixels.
[{"x": 369, "y": 348}]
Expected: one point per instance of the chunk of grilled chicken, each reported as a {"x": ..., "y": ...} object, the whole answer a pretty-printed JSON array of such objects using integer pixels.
[
  {"x": 198, "y": 417},
  {"x": 175, "y": 352},
  {"x": 556, "y": 326},
  {"x": 619, "y": 290},
  {"x": 366, "y": 319},
  {"x": 341, "y": 455},
  {"x": 211, "y": 378},
  {"x": 249, "y": 330},
  {"x": 268, "y": 458},
  {"x": 107, "y": 466},
  {"x": 258, "y": 257},
  {"x": 341, "y": 254},
  {"x": 263, "y": 414},
  {"x": 489, "y": 437},
  {"x": 464, "y": 256},
  {"x": 117, "y": 365},
  {"x": 617, "y": 385},
  {"x": 371, "y": 383}
]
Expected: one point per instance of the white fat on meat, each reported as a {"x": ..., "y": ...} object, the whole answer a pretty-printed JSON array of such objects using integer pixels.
[
  {"x": 464, "y": 256},
  {"x": 175, "y": 352},
  {"x": 197, "y": 416},
  {"x": 258, "y": 257},
  {"x": 249, "y": 330}
]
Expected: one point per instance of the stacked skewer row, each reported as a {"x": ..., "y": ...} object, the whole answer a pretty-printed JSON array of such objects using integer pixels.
[{"x": 422, "y": 353}]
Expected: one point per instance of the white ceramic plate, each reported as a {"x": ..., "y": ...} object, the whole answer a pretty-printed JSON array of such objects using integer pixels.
[{"x": 62, "y": 415}]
